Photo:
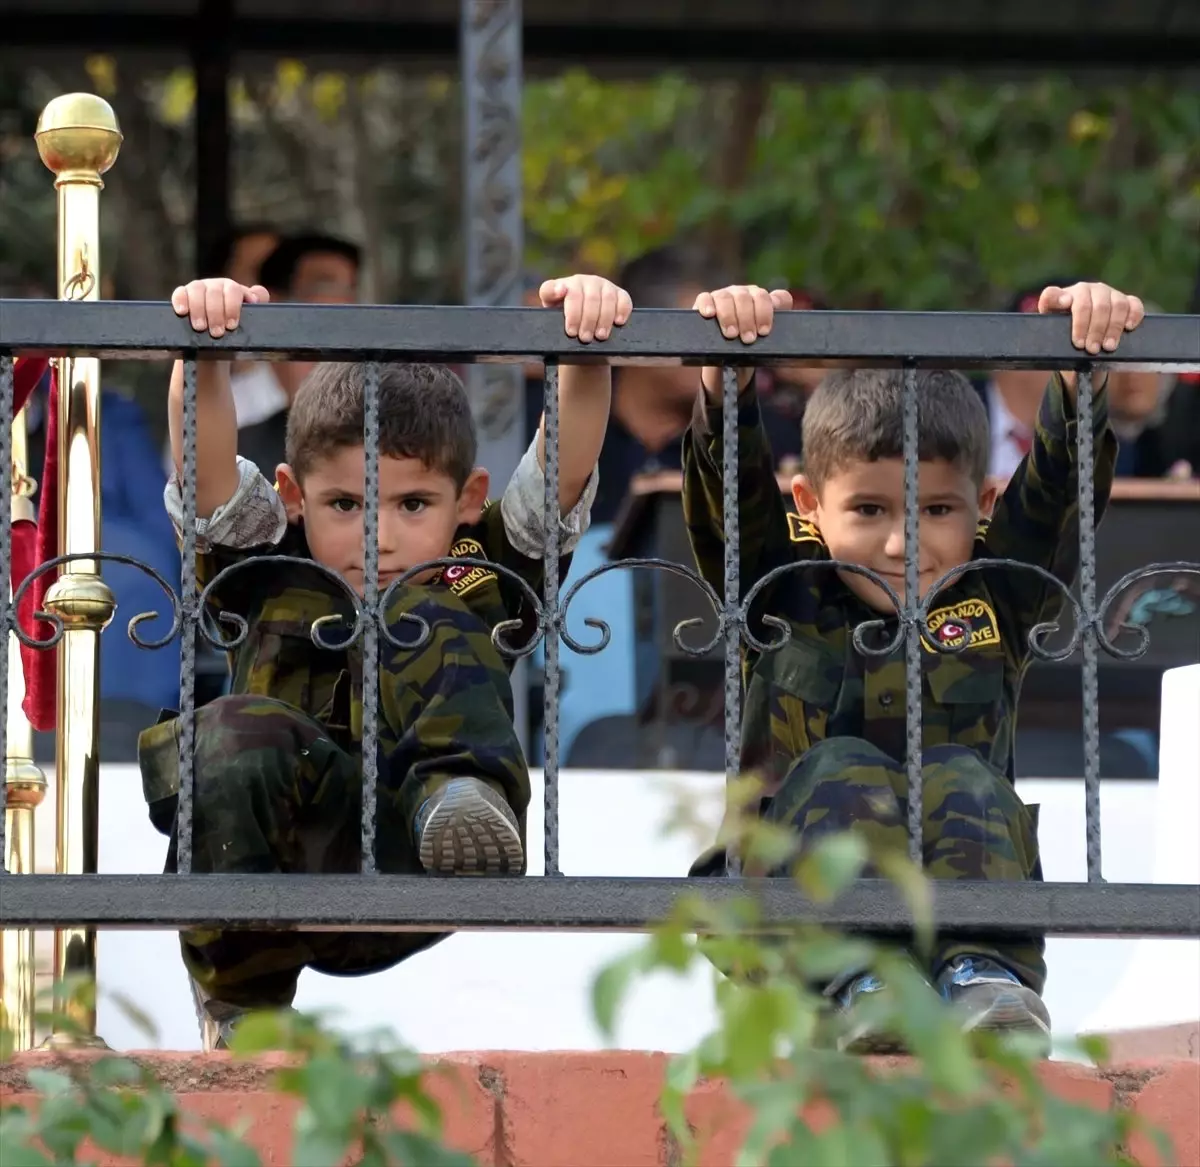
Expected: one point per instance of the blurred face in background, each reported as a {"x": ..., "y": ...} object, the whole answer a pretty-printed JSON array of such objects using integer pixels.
[
  {"x": 320, "y": 277},
  {"x": 248, "y": 254},
  {"x": 1133, "y": 396}
]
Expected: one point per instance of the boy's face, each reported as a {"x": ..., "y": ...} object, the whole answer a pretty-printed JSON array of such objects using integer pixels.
[
  {"x": 860, "y": 512},
  {"x": 419, "y": 511}
]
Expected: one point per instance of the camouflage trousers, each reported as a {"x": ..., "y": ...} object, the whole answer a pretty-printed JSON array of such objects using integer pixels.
[
  {"x": 974, "y": 826},
  {"x": 273, "y": 792}
]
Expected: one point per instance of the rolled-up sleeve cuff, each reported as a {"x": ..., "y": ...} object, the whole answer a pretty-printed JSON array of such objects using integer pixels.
[
  {"x": 1058, "y": 420},
  {"x": 706, "y": 417},
  {"x": 253, "y": 517},
  {"x": 523, "y": 508}
]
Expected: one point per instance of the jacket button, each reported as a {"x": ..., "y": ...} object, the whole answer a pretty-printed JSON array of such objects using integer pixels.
[{"x": 885, "y": 699}]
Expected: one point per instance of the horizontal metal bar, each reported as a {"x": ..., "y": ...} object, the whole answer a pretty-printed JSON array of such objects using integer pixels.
[
  {"x": 552, "y": 41},
  {"x": 124, "y": 329},
  {"x": 421, "y": 904}
]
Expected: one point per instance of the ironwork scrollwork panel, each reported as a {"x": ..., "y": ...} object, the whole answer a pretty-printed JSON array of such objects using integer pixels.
[
  {"x": 32, "y": 641},
  {"x": 605, "y": 630},
  {"x": 1118, "y": 592}
]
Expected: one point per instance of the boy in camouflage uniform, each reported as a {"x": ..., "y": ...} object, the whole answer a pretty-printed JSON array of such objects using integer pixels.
[
  {"x": 824, "y": 727},
  {"x": 277, "y": 782}
]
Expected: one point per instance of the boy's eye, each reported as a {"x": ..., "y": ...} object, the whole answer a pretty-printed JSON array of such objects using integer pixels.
[
  {"x": 868, "y": 510},
  {"x": 414, "y": 506},
  {"x": 938, "y": 510},
  {"x": 345, "y": 505}
]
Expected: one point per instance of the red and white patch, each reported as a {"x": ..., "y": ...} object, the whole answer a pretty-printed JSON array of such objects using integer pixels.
[
  {"x": 950, "y": 632},
  {"x": 971, "y": 623}
]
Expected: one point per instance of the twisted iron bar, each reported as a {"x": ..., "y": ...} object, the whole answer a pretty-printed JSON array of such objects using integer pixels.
[{"x": 602, "y": 626}]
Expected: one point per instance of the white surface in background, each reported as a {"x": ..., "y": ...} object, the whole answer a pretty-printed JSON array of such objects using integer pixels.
[{"x": 532, "y": 990}]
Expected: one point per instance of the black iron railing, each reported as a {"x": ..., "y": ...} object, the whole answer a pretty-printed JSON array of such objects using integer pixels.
[{"x": 465, "y": 335}]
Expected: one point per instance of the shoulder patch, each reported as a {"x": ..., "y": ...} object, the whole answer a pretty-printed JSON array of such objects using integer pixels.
[
  {"x": 981, "y": 528},
  {"x": 972, "y": 621},
  {"x": 464, "y": 578},
  {"x": 802, "y": 531}
]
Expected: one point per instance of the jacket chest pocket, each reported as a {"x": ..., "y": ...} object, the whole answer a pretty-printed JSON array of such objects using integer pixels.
[
  {"x": 791, "y": 695},
  {"x": 967, "y": 691},
  {"x": 278, "y": 660}
]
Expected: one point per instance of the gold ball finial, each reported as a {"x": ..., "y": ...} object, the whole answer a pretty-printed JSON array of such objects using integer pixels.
[{"x": 78, "y": 137}]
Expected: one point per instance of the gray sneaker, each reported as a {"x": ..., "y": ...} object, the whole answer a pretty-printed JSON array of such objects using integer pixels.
[
  {"x": 862, "y": 1035},
  {"x": 992, "y": 997},
  {"x": 218, "y": 1019},
  {"x": 467, "y": 828}
]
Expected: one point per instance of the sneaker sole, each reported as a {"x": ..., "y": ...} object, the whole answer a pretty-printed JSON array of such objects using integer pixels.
[
  {"x": 468, "y": 833},
  {"x": 871, "y": 1045},
  {"x": 1010, "y": 1014}
]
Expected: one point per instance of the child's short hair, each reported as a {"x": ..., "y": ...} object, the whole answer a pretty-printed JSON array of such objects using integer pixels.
[
  {"x": 423, "y": 413},
  {"x": 857, "y": 415}
]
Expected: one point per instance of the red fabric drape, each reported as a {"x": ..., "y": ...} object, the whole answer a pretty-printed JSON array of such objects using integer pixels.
[{"x": 36, "y": 543}]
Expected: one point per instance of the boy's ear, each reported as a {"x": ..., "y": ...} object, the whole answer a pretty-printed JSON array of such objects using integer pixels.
[
  {"x": 473, "y": 495},
  {"x": 288, "y": 486},
  {"x": 988, "y": 496},
  {"x": 805, "y": 497}
]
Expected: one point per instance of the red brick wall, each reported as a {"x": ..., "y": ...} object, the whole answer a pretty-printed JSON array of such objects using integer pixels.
[{"x": 597, "y": 1109}]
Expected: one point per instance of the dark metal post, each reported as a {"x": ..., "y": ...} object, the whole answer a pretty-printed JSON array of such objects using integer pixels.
[
  {"x": 493, "y": 234},
  {"x": 211, "y": 63}
]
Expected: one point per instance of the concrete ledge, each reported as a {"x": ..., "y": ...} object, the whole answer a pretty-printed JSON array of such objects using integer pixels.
[{"x": 592, "y": 1109}]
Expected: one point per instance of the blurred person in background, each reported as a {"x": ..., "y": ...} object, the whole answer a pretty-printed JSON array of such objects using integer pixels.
[
  {"x": 132, "y": 480},
  {"x": 1157, "y": 434},
  {"x": 652, "y": 404},
  {"x": 307, "y": 268}
]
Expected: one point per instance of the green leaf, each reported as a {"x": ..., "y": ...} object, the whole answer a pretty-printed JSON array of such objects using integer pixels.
[
  {"x": 775, "y": 1107},
  {"x": 414, "y": 1150},
  {"x": 16, "y": 1143},
  {"x": 137, "y": 1017},
  {"x": 108, "y": 1072},
  {"x": 313, "y": 1146},
  {"x": 682, "y": 1074},
  {"x": 610, "y": 986},
  {"x": 832, "y": 865},
  {"x": 232, "y": 1151},
  {"x": 261, "y": 1033},
  {"x": 917, "y": 890},
  {"x": 1093, "y": 1046},
  {"x": 49, "y": 1083}
]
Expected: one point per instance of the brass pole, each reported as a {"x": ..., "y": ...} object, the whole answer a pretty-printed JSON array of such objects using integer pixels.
[
  {"x": 25, "y": 786},
  {"x": 78, "y": 139}
]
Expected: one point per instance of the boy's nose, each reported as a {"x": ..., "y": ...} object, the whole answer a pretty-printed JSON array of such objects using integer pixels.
[
  {"x": 387, "y": 532},
  {"x": 894, "y": 547}
]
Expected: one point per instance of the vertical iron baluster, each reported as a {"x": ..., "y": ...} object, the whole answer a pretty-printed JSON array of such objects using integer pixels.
[
  {"x": 1087, "y": 601},
  {"x": 912, "y": 629},
  {"x": 8, "y": 608},
  {"x": 550, "y": 617},
  {"x": 490, "y": 65},
  {"x": 372, "y": 614},
  {"x": 187, "y": 631},
  {"x": 733, "y": 670}
]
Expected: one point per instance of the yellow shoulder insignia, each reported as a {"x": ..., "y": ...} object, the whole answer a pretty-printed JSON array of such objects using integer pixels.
[
  {"x": 803, "y": 531},
  {"x": 981, "y": 528},
  {"x": 464, "y": 578}
]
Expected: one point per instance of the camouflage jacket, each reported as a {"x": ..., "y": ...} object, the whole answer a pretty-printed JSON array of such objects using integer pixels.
[
  {"x": 279, "y": 603},
  {"x": 817, "y": 685}
]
